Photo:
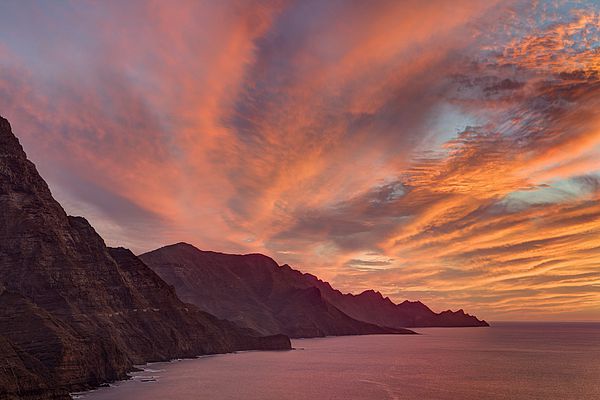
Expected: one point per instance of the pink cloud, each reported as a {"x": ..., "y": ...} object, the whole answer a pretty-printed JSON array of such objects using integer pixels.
[{"x": 304, "y": 130}]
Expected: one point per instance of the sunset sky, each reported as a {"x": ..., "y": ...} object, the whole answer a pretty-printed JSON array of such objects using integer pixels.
[{"x": 445, "y": 151}]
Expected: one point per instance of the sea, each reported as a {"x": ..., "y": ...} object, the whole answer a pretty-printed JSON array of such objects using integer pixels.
[{"x": 508, "y": 361}]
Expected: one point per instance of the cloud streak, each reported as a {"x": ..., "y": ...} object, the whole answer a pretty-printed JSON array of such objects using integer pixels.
[{"x": 442, "y": 152}]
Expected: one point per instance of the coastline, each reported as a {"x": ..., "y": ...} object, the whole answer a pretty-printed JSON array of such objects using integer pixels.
[{"x": 438, "y": 363}]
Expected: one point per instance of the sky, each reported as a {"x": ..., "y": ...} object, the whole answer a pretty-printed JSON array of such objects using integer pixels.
[{"x": 442, "y": 151}]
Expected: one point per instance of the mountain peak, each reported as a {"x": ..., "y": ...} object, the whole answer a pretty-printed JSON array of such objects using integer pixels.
[
  {"x": 254, "y": 291},
  {"x": 373, "y": 294},
  {"x": 54, "y": 268},
  {"x": 182, "y": 245},
  {"x": 9, "y": 144}
]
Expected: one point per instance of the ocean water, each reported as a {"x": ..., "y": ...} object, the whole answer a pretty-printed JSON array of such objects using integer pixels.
[{"x": 515, "y": 361}]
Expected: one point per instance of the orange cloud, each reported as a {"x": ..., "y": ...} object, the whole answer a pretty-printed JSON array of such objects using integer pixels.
[{"x": 311, "y": 131}]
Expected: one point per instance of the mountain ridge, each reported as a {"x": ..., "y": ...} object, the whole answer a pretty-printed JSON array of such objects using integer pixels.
[
  {"x": 411, "y": 314},
  {"x": 199, "y": 277},
  {"x": 253, "y": 290},
  {"x": 74, "y": 313}
]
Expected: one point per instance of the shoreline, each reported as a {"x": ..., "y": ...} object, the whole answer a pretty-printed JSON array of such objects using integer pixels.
[{"x": 438, "y": 363}]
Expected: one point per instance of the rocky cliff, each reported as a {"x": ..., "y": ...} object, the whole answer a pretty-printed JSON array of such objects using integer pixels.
[
  {"x": 252, "y": 290},
  {"x": 74, "y": 313},
  {"x": 373, "y": 307}
]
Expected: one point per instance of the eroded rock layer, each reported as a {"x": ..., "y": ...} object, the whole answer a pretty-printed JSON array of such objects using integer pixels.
[{"x": 74, "y": 313}]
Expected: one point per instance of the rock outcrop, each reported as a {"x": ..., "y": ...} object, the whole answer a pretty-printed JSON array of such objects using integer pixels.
[
  {"x": 373, "y": 307},
  {"x": 74, "y": 313},
  {"x": 253, "y": 291}
]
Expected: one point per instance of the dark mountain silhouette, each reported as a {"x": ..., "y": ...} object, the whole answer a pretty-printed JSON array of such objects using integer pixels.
[
  {"x": 74, "y": 313},
  {"x": 372, "y": 307},
  {"x": 252, "y": 290}
]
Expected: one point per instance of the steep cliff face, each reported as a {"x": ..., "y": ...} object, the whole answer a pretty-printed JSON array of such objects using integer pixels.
[
  {"x": 372, "y": 307},
  {"x": 73, "y": 313},
  {"x": 252, "y": 290}
]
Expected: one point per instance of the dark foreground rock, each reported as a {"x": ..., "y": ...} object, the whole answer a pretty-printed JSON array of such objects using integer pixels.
[{"x": 74, "y": 313}]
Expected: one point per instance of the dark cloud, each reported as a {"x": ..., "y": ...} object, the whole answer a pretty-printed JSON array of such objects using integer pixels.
[{"x": 439, "y": 151}]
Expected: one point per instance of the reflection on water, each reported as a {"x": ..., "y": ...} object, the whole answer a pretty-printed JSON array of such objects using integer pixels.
[{"x": 507, "y": 361}]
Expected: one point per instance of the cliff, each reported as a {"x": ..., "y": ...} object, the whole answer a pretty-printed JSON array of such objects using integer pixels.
[
  {"x": 373, "y": 307},
  {"x": 74, "y": 313},
  {"x": 253, "y": 291}
]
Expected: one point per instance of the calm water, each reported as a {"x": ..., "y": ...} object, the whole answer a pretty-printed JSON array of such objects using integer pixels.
[{"x": 507, "y": 361}]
